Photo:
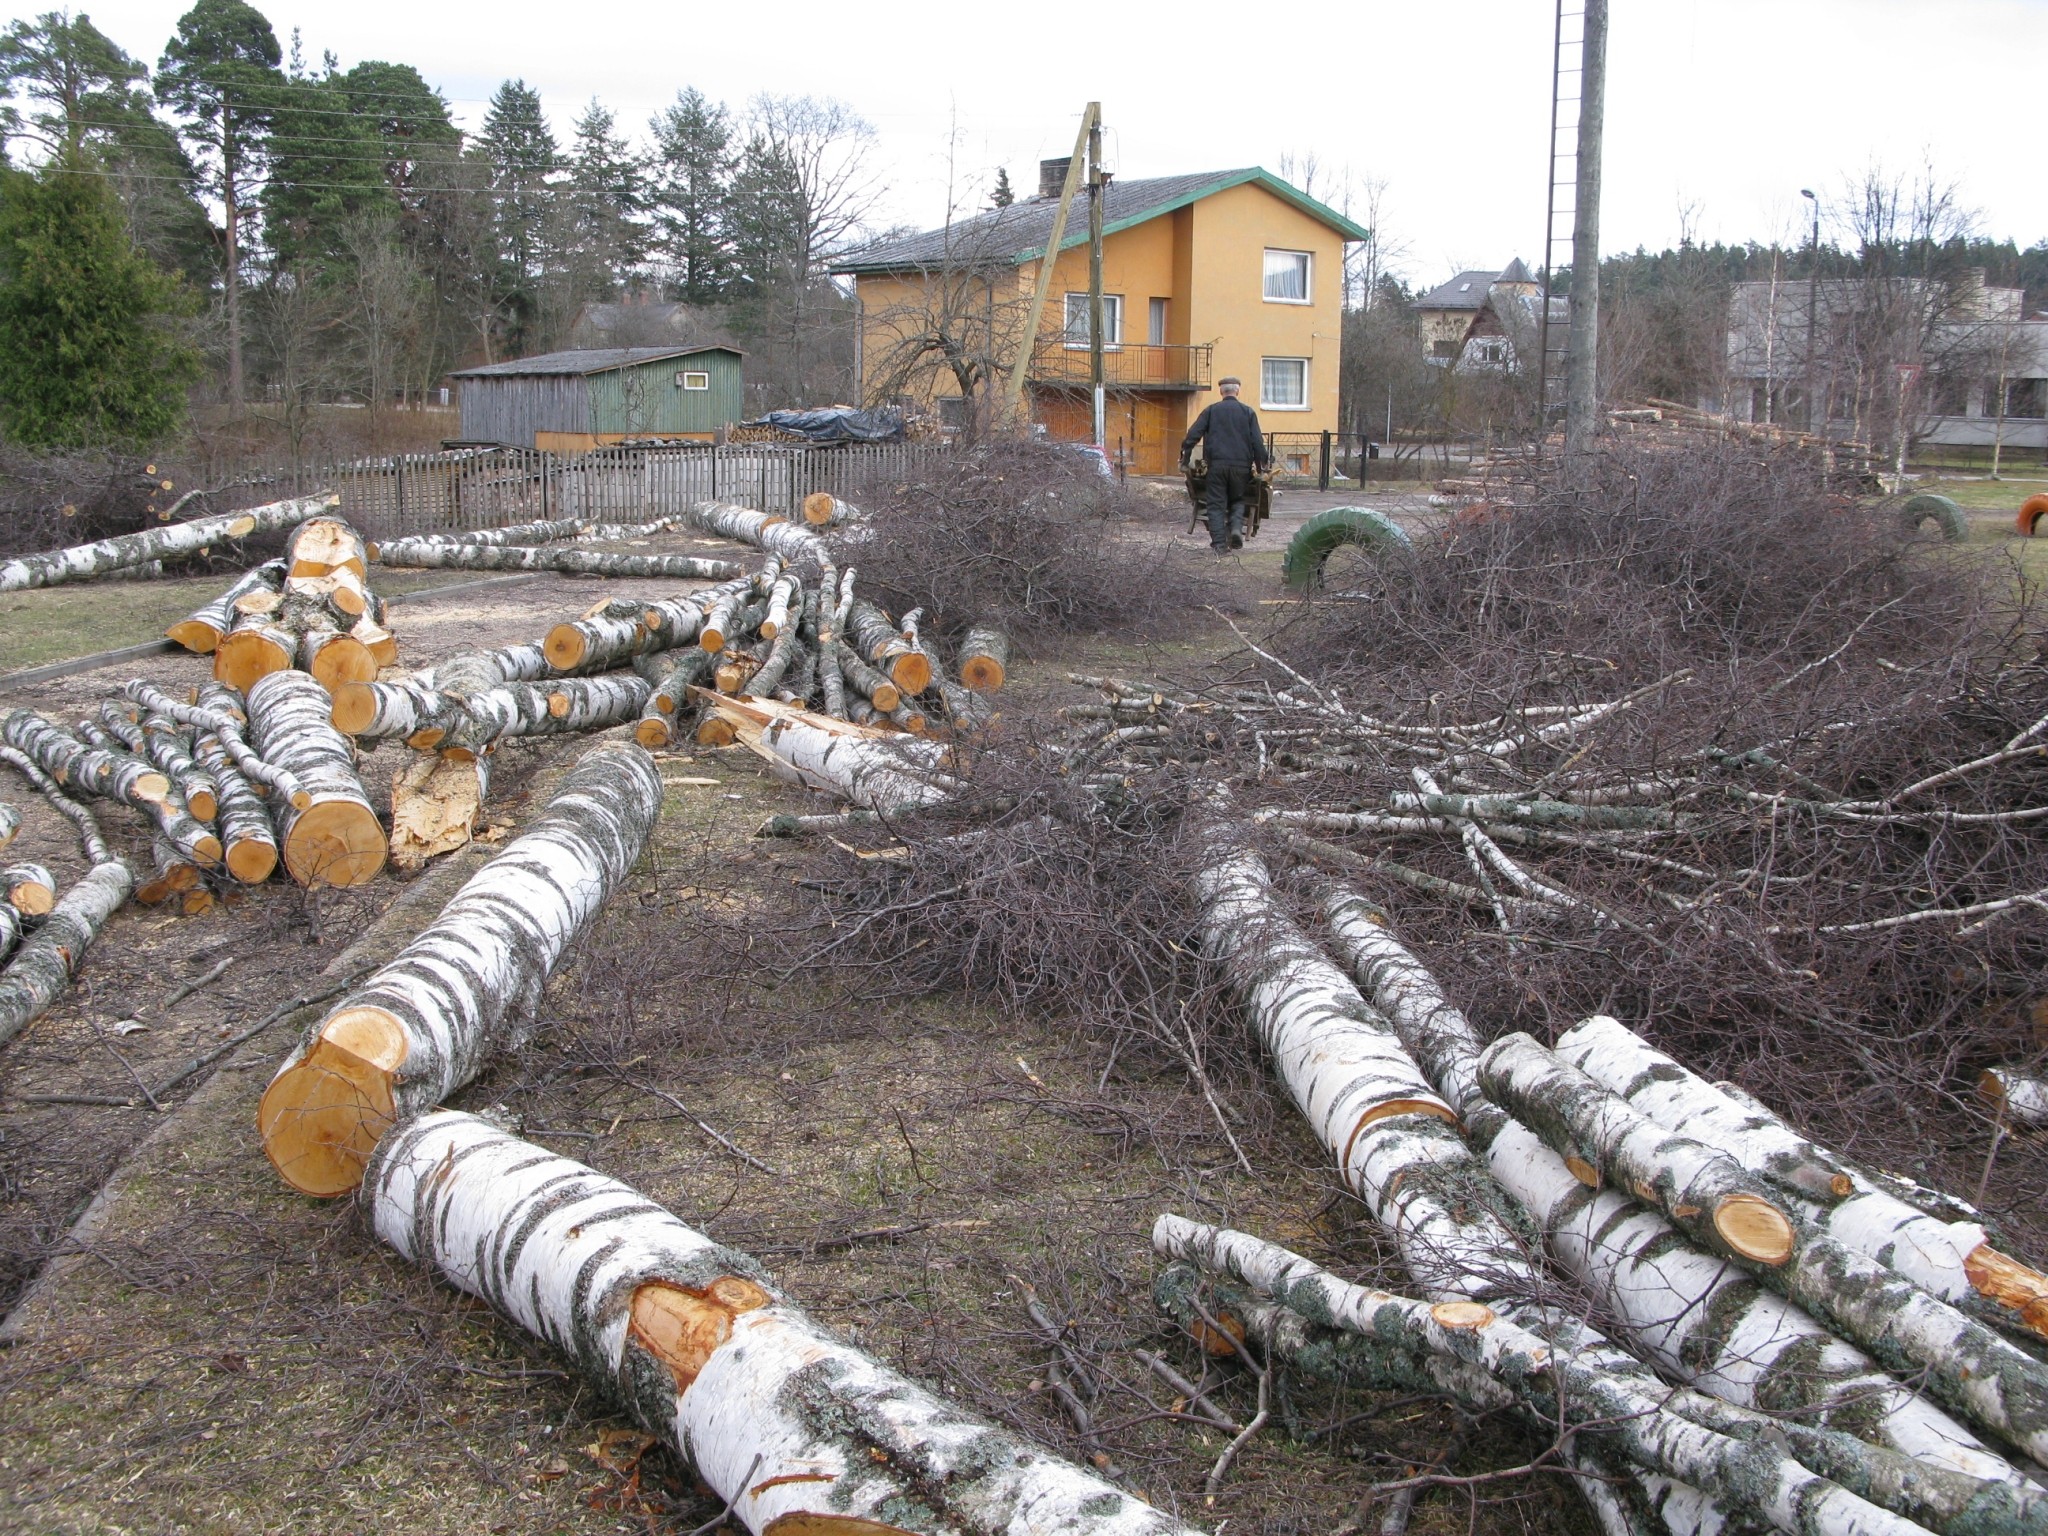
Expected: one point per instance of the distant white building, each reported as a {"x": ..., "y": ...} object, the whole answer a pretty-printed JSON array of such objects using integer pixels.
[{"x": 1486, "y": 322}]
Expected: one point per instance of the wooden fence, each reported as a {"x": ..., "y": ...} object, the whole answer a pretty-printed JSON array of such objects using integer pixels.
[{"x": 491, "y": 487}]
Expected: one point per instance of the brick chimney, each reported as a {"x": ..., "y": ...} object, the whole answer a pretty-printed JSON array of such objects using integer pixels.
[{"x": 1052, "y": 176}]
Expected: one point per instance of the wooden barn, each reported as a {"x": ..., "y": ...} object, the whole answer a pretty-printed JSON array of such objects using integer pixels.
[{"x": 571, "y": 402}]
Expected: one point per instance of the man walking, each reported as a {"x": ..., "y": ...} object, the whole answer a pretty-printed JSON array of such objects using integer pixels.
[{"x": 1235, "y": 447}]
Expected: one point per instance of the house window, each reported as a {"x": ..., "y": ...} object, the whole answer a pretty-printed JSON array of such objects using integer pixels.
[
  {"x": 1283, "y": 383},
  {"x": 953, "y": 412},
  {"x": 1287, "y": 277},
  {"x": 1493, "y": 352},
  {"x": 1112, "y": 320},
  {"x": 693, "y": 381},
  {"x": 1155, "y": 322},
  {"x": 1443, "y": 349},
  {"x": 2026, "y": 397}
]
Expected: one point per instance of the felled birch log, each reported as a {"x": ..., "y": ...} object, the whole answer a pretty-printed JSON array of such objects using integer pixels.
[
  {"x": 467, "y": 986},
  {"x": 564, "y": 706},
  {"x": 321, "y": 545},
  {"x": 669, "y": 676},
  {"x": 175, "y": 874},
  {"x": 10, "y": 930},
  {"x": 572, "y": 562},
  {"x": 867, "y": 682},
  {"x": 791, "y": 542},
  {"x": 335, "y": 658},
  {"x": 28, "y": 889},
  {"x": 10, "y": 823},
  {"x": 96, "y": 849},
  {"x": 803, "y": 1434},
  {"x": 77, "y": 766},
  {"x": 677, "y": 621},
  {"x": 201, "y": 630},
  {"x": 435, "y": 805},
  {"x": 984, "y": 658},
  {"x": 85, "y": 561},
  {"x": 785, "y": 598},
  {"x": 876, "y": 637},
  {"x": 606, "y": 640},
  {"x": 221, "y": 711},
  {"x": 248, "y": 841},
  {"x": 964, "y": 707},
  {"x": 1951, "y": 1260},
  {"x": 1694, "y": 1316},
  {"x": 824, "y": 510},
  {"x": 1490, "y": 1362},
  {"x": 1718, "y": 1203},
  {"x": 1393, "y": 1137},
  {"x": 48, "y": 958},
  {"x": 517, "y": 533},
  {"x": 255, "y": 647},
  {"x": 879, "y": 770},
  {"x": 162, "y": 742},
  {"x": 783, "y": 650},
  {"x": 2018, "y": 1098},
  {"x": 335, "y": 838}
]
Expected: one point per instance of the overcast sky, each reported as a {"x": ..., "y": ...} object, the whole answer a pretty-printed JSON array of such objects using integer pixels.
[{"x": 1725, "y": 108}]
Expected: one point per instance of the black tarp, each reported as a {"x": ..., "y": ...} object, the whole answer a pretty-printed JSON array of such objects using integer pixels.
[{"x": 837, "y": 424}]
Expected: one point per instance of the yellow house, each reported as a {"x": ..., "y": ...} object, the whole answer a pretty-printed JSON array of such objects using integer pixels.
[{"x": 1204, "y": 276}]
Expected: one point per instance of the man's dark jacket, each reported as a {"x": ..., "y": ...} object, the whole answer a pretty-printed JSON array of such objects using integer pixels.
[{"x": 1232, "y": 428}]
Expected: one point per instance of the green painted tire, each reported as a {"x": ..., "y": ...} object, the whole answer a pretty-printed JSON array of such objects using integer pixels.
[
  {"x": 1313, "y": 541},
  {"x": 1947, "y": 516}
]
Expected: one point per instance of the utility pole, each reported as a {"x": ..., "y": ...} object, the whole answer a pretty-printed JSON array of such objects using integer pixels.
[
  {"x": 1095, "y": 191},
  {"x": 1582, "y": 359},
  {"x": 1013, "y": 390}
]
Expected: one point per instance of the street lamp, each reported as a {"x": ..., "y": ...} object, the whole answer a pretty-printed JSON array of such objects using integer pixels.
[{"x": 1812, "y": 299}]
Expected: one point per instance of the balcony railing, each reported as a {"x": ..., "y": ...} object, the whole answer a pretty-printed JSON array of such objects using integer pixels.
[{"x": 1128, "y": 366}]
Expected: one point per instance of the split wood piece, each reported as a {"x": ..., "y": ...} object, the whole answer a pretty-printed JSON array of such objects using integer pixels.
[
  {"x": 1393, "y": 1137},
  {"x": 321, "y": 545},
  {"x": 572, "y": 562},
  {"x": 801, "y": 1434},
  {"x": 867, "y": 682},
  {"x": 335, "y": 839},
  {"x": 256, "y": 647},
  {"x": 220, "y": 711},
  {"x": 880, "y": 770},
  {"x": 562, "y": 707},
  {"x": 29, "y": 889},
  {"x": 467, "y": 986},
  {"x": 248, "y": 840},
  {"x": 85, "y": 561},
  {"x": 792, "y": 543},
  {"x": 877, "y": 639},
  {"x": 984, "y": 658},
  {"x": 1951, "y": 1260},
  {"x": 436, "y": 803},
  {"x": 201, "y": 630},
  {"x": 518, "y": 533},
  {"x": 79, "y": 767},
  {"x": 2017, "y": 1097},
  {"x": 1703, "y": 1322},
  {"x": 174, "y": 875},
  {"x": 96, "y": 849},
  {"x": 824, "y": 510},
  {"x": 1719, "y": 1204},
  {"x": 335, "y": 659},
  {"x": 46, "y": 961},
  {"x": 1397, "y": 1343},
  {"x": 669, "y": 676},
  {"x": 10, "y": 823},
  {"x": 1708, "y": 1195}
]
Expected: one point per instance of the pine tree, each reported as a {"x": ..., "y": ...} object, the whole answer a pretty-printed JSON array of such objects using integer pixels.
[
  {"x": 1002, "y": 197},
  {"x": 692, "y": 172},
  {"x": 220, "y": 73},
  {"x": 326, "y": 168},
  {"x": 520, "y": 152},
  {"x": 86, "y": 355},
  {"x": 607, "y": 197}
]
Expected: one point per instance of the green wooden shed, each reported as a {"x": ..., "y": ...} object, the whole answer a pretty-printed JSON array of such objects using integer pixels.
[{"x": 571, "y": 402}]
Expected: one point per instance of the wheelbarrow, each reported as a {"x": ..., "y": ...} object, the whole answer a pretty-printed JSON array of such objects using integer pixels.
[{"x": 1258, "y": 505}]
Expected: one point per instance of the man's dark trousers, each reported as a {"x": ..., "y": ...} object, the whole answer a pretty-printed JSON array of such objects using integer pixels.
[{"x": 1230, "y": 487}]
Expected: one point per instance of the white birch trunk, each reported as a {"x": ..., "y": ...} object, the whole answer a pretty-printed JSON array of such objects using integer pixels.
[
  {"x": 867, "y": 682},
  {"x": 76, "y": 766},
  {"x": 1715, "y": 1201},
  {"x": 335, "y": 838},
  {"x": 517, "y": 533},
  {"x": 562, "y": 707},
  {"x": 984, "y": 658},
  {"x": 802, "y": 1433},
  {"x": 201, "y": 630},
  {"x": 574, "y": 562},
  {"x": 2019, "y": 1098},
  {"x": 879, "y": 770},
  {"x": 45, "y": 963},
  {"x": 163, "y": 741},
  {"x": 670, "y": 675},
  {"x": 1402, "y": 987},
  {"x": 1758, "y": 1475},
  {"x": 467, "y": 985},
  {"x": 605, "y": 640},
  {"x": 824, "y": 510},
  {"x": 10, "y": 930},
  {"x": 1950, "y": 1260},
  {"x": 220, "y": 711},
  {"x": 248, "y": 841},
  {"x": 10, "y": 823},
  {"x": 84, "y": 561},
  {"x": 883, "y": 647},
  {"x": 791, "y": 542},
  {"x": 96, "y": 849}
]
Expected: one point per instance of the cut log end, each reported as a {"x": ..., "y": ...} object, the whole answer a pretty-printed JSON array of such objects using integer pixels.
[
  {"x": 565, "y": 646},
  {"x": 913, "y": 673},
  {"x": 809, "y": 1522},
  {"x": 153, "y": 787},
  {"x": 982, "y": 674},
  {"x": 819, "y": 507},
  {"x": 355, "y": 706},
  {"x": 241, "y": 527},
  {"x": 251, "y": 862},
  {"x": 32, "y": 900},
  {"x": 342, "y": 661},
  {"x": 1755, "y": 1229},
  {"x": 886, "y": 697},
  {"x": 653, "y": 732},
  {"x": 558, "y": 705},
  {"x": 335, "y": 842},
  {"x": 201, "y": 803},
  {"x": 194, "y": 636},
  {"x": 1461, "y": 1316},
  {"x": 711, "y": 639},
  {"x": 206, "y": 849},
  {"x": 322, "y": 1116},
  {"x": 2005, "y": 1280},
  {"x": 681, "y": 1327},
  {"x": 248, "y": 654},
  {"x": 715, "y": 732},
  {"x": 1582, "y": 1170}
]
